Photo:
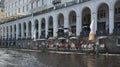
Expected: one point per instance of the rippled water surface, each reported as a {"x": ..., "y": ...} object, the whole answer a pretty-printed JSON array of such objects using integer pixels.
[{"x": 12, "y": 58}]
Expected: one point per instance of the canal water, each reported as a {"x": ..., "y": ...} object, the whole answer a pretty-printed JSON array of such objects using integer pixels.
[{"x": 13, "y": 58}]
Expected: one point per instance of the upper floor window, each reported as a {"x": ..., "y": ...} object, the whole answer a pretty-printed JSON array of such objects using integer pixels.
[
  {"x": 19, "y": 2},
  {"x": 6, "y": 8},
  {"x": 37, "y": 3},
  {"x": 117, "y": 10},
  {"x": 23, "y": 1},
  {"x": 101, "y": 14},
  {"x": 31, "y": 5},
  {"x": 12, "y": 5},
  {"x": 73, "y": 18},
  {"x": 42, "y": 2},
  {"x": 15, "y": 3}
]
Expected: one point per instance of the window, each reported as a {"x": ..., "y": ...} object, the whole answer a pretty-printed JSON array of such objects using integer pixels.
[
  {"x": 23, "y": 9},
  {"x": 23, "y": 1},
  {"x": 73, "y": 18},
  {"x": 15, "y": 3},
  {"x": 117, "y": 10},
  {"x": 31, "y": 5},
  {"x": 6, "y": 8},
  {"x": 10, "y": 6},
  {"x": 6, "y": 14},
  {"x": 37, "y": 3},
  {"x": 19, "y": 2},
  {"x": 118, "y": 42},
  {"x": 101, "y": 14},
  {"x": 27, "y": 8},
  {"x": 42, "y": 2},
  {"x": 18, "y": 10}
]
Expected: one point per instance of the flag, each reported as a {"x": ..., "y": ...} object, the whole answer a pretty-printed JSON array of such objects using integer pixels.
[
  {"x": 91, "y": 36},
  {"x": 92, "y": 30}
]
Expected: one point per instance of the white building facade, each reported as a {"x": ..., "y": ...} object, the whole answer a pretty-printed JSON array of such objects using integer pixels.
[{"x": 44, "y": 18}]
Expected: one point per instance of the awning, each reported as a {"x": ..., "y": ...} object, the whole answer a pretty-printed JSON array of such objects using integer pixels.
[
  {"x": 102, "y": 37},
  {"x": 73, "y": 37},
  {"x": 60, "y": 38}
]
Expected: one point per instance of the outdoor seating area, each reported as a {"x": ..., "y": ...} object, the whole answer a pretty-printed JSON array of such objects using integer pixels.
[{"x": 73, "y": 45}]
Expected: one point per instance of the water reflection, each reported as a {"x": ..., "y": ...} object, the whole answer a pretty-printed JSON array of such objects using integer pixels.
[
  {"x": 63, "y": 60},
  {"x": 10, "y": 58}
]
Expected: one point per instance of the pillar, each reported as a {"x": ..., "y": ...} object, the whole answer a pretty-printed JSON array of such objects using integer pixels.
[
  {"x": 33, "y": 29},
  {"x": 17, "y": 31},
  {"x": 78, "y": 22},
  {"x": 39, "y": 29},
  {"x": 111, "y": 19},
  {"x": 66, "y": 20},
  {"x": 55, "y": 25},
  {"x": 46, "y": 27}
]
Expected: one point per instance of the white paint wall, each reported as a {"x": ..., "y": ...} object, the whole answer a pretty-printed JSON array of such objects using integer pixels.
[{"x": 93, "y": 5}]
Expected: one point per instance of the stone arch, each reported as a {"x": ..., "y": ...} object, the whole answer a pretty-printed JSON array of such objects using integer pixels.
[
  {"x": 36, "y": 28},
  {"x": 117, "y": 17},
  {"x": 103, "y": 18},
  {"x": 86, "y": 20},
  {"x": 43, "y": 23},
  {"x": 3, "y": 32},
  {"x": 19, "y": 33},
  {"x": 86, "y": 16},
  {"x": 50, "y": 27},
  {"x": 29, "y": 29},
  {"x": 100, "y": 4},
  {"x": 72, "y": 21},
  {"x": 36, "y": 24},
  {"x": 60, "y": 20},
  {"x": 24, "y": 29},
  {"x": 15, "y": 30},
  {"x": 43, "y": 28},
  {"x": 10, "y": 31},
  {"x": 7, "y": 32}
]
